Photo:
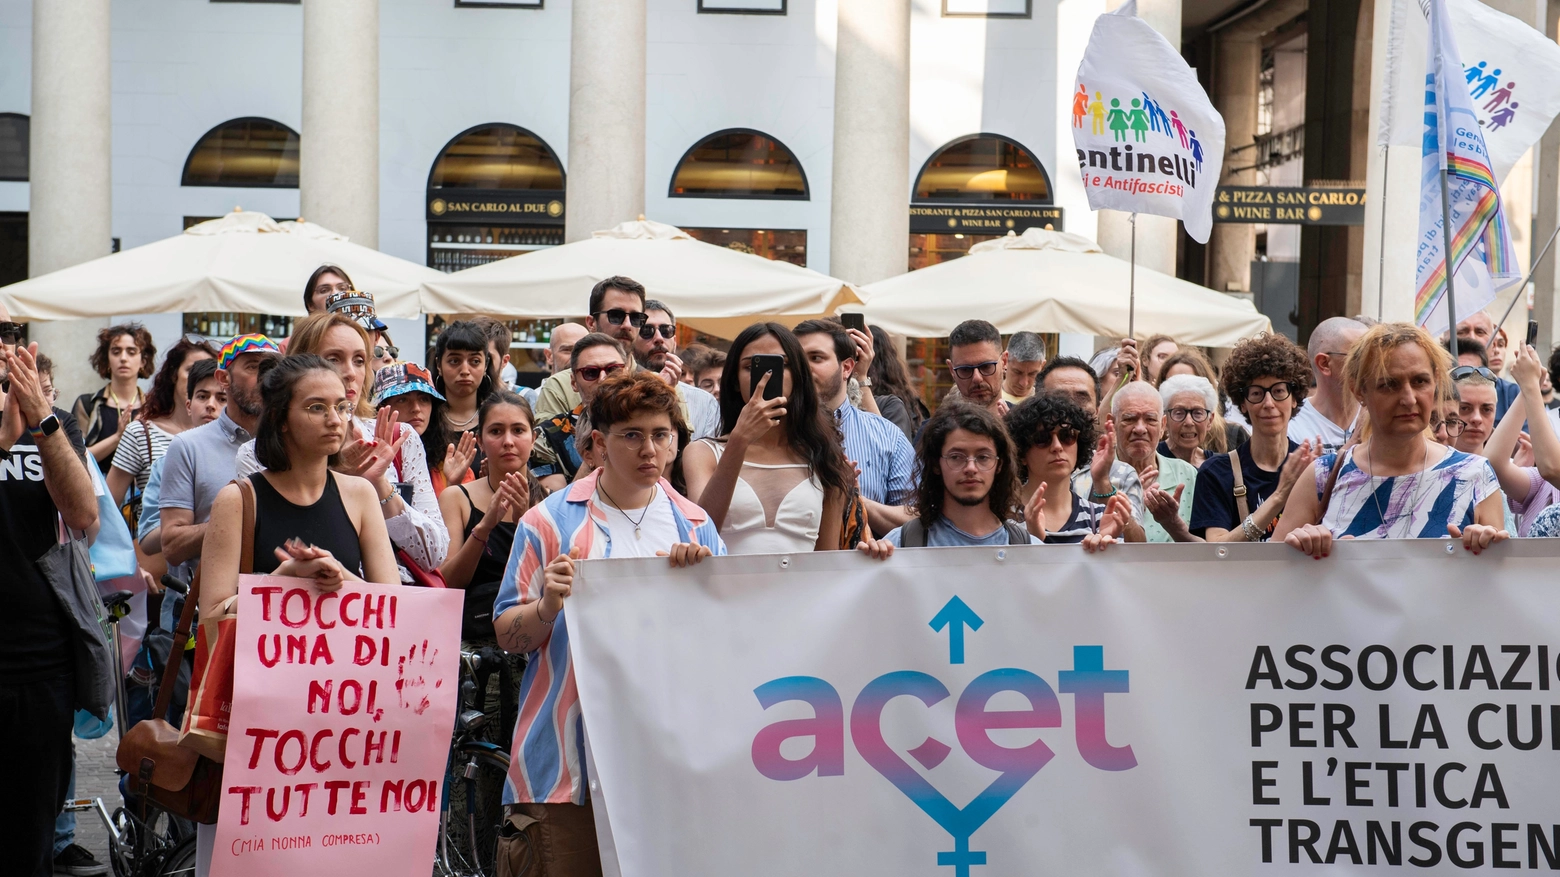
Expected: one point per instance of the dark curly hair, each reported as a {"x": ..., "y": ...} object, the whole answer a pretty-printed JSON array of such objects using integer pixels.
[
  {"x": 1043, "y": 413},
  {"x": 1266, "y": 356},
  {"x": 160, "y": 401},
  {"x": 931, "y": 492},
  {"x": 143, "y": 341}
]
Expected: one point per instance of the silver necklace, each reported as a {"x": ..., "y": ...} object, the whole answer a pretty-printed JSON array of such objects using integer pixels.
[
  {"x": 1381, "y": 515},
  {"x": 624, "y": 513}
]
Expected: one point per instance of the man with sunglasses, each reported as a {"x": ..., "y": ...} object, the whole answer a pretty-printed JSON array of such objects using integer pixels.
[
  {"x": 975, "y": 360},
  {"x": 618, "y": 310},
  {"x": 1330, "y": 408},
  {"x": 555, "y": 458}
]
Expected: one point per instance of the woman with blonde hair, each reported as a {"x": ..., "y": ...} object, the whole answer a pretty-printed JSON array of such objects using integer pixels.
[{"x": 1398, "y": 483}]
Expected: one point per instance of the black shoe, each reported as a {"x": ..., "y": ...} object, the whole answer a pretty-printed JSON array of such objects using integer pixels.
[{"x": 75, "y": 861}]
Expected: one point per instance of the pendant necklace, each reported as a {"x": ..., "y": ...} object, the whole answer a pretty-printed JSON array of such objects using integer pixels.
[
  {"x": 624, "y": 512},
  {"x": 1413, "y": 488}
]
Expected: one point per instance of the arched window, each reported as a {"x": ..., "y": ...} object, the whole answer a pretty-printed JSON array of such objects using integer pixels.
[
  {"x": 250, "y": 153},
  {"x": 983, "y": 167},
  {"x": 739, "y": 163},
  {"x": 497, "y": 156},
  {"x": 13, "y": 147}
]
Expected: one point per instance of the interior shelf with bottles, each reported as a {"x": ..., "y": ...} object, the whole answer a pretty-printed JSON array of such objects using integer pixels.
[{"x": 453, "y": 247}]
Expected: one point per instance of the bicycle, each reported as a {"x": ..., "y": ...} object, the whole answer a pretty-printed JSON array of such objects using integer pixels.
[
  {"x": 468, "y": 839},
  {"x": 143, "y": 839}
]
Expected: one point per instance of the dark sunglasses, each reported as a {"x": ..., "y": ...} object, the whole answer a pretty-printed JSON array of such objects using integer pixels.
[
  {"x": 965, "y": 372},
  {"x": 1458, "y": 373},
  {"x": 667, "y": 330},
  {"x": 594, "y": 373},
  {"x": 381, "y": 351},
  {"x": 10, "y": 333},
  {"x": 1066, "y": 434},
  {"x": 616, "y": 316}
]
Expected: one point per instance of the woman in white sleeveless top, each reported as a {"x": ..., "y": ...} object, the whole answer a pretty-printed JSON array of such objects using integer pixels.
[{"x": 776, "y": 481}]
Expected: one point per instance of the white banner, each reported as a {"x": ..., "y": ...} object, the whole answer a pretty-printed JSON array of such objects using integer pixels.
[{"x": 1167, "y": 710}]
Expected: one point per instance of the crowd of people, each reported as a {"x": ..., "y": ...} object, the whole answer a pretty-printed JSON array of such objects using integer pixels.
[{"x": 361, "y": 465}]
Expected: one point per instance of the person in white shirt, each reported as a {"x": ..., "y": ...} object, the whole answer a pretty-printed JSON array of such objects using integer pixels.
[{"x": 1330, "y": 408}]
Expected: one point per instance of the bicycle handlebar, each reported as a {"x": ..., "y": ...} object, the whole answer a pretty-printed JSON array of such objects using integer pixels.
[{"x": 174, "y": 584}]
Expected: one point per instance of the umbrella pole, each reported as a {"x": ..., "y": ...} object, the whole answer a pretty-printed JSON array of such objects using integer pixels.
[
  {"x": 1446, "y": 257},
  {"x": 1132, "y": 280}
]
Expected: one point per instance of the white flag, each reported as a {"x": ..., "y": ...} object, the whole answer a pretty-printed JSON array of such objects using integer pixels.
[
  {"x": 1148, "y": 139},
  {"x": 1512, "y": 72}
]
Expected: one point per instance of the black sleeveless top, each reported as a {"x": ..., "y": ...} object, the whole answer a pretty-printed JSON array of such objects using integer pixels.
[
  {"x": 477, "y": 622},
  {"x": 325, "y": 524}
]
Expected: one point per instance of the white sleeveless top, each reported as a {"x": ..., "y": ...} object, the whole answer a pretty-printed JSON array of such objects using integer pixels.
[{"x": 775, "y": 508}]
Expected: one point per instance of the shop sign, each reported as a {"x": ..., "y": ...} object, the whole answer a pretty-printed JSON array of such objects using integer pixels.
[
  {"x": 983, "y": 218},
  {"x": 1289, "y": 205},
  {"x": 495, "y": 205}
]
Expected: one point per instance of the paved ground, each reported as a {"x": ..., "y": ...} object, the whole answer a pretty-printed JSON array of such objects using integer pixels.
[{"x": 95, "y": 778}]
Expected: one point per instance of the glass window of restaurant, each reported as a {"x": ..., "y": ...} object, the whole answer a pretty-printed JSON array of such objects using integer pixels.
[
  {"x": 976, "y": 188},
  {"x": 495, "y": 191},
  {"x": 745, "y": 164}
]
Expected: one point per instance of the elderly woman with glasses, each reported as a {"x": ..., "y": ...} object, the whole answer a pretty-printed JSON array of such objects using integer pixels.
[
  {"x": 1190, "y": 408},
  {"x": 1240, "y": 495}
]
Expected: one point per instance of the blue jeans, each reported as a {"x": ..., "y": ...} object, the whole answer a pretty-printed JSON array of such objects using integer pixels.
[{"x": 65, "y": 823}]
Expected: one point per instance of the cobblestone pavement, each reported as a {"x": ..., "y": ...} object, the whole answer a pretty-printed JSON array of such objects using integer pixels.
[{"x": 95, "y": 778}]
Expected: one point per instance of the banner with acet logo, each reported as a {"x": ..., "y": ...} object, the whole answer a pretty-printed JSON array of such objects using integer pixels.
[
  {"x": 1179, "y": 710},
  {"x": 1148, "y": 139}
]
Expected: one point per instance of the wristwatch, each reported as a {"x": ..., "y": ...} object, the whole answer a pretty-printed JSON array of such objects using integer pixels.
[
  {"x": 864, "y": 382},
  {"x": 46, "y": 427}
]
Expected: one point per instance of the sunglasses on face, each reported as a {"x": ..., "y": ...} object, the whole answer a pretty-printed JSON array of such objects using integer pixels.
[
  {"x": 381, "y": 351},
  {"x": 965, "y": 372},
  {"x": 667, "y": 330},
  {"x": 1065, "y": 434},
  {"x": 10, "y": 333},
  {"x": 594, "y": 373},
  {"x": 616, "y": 316}
]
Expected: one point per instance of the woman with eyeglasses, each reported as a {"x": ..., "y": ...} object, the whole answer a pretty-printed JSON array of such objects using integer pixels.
[
  {"x": 1397, "y": 483},
  {"x": 376, "y": 448},
  {"x": 777, "y": 479},
  {"x": 1053, "y": 438},
  {"x": 1191, "y": 406},
  {"x": 461, "y": 372},
  {"x": 1240, "y": 495},
  {"x": 1222, "y": 435},
  {"x": 556, "y": 459}
]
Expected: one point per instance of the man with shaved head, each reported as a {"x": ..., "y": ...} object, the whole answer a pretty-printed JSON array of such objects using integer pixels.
[{"x": 1329, "y": 410}]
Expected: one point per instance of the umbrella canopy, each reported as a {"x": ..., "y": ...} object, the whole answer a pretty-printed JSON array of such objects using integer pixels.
[
  {"x": 1048, "y": 281},
  {"x": 243, "y": 262},
  {"x": 713, "y": 289}
]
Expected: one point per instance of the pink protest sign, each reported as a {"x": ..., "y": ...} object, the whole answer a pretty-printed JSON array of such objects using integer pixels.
[{"x": 343, "y": 705}]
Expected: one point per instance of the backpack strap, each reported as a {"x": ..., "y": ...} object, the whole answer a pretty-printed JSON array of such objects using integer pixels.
[
  {"x": 1240, "y": 487},
  {"x": 1018, "y": 534},
  {"x": 912, "y": 534}
]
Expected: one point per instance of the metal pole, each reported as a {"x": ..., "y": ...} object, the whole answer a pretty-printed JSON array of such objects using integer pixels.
[
  {"x": 1522, "y": 287},
  {"x": 1446, "y": 259},
  {"x": 1132, "y": 281}
]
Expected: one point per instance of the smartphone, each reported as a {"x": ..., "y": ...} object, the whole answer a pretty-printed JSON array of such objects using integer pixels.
[
  {"x": 1532, "y": 332},
  {"x": 854, "y": 321},
  {"x": 773, "y": 365}
]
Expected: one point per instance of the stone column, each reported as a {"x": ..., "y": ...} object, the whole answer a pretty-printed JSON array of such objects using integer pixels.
[
  {"x": 1237, "y": 73},
  {"x": 69, "y": 218},
  {"x": 338, "y": 154},
  {"x": 1157, "y": 236},
  {"x": 606, "y": 160},
  {"x": 869, "y": 208}
]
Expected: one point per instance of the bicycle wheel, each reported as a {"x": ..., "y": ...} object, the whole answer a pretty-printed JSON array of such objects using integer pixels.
[
  {"x": 181, "y": 861},
  {"x": 476, "y": 788}
]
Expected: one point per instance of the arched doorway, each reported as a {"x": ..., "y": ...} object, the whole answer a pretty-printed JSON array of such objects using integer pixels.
[
  {"x": 13, "y": 224},
  {"x": 741, "y": 163},
  {"x": 976, "y": 188},
  {"x": 495, "y": 191}
]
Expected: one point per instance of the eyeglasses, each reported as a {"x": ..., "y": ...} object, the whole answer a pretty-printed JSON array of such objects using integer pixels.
[
  {"x": 616, "y": 316},
  {"x": 1065, "y": 434},
  {"x": 594, "y": 373},
  {"x": 11, "y": 333},
  {"x": 965, "y": 372},
  {"x": 661, "y": 438},
  {"x": 983, "y": 462},
  {"x": 318, "y": 410},
  {"x": 667, "y": 330},
  {"x": 1458, "y": 373},
  {"x": 1255, "y": 394},
  {"x": 327, "y": 287},
  {"x": 1453, "y": 426},
  {"x": 383, "y": 350},
  {"x": 1198, "y": 415}
]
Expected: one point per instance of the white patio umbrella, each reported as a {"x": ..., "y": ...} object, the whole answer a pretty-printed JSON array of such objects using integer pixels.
[
  {"x": 244, "y": 262},
  {"x": 713, "y": 289},
  {"x": 1048, "y": 281}
]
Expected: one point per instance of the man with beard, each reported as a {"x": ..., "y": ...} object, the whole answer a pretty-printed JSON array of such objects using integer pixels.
[
  {"x": 200, "y": 461},
  {"x": 975, "y": 358}
]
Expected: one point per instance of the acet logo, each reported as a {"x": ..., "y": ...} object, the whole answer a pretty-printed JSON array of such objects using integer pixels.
[{"x": 1088, "y": 682}]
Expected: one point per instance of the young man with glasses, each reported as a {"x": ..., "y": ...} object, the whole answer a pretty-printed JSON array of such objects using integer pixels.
[
  {"x": 1330, "y": 409},
  {"x": 618, "y": 309},
  {"x": 975, "y": 360},
  {"x": 625, "y": 508},
  {"x": 555, "y": 458}
]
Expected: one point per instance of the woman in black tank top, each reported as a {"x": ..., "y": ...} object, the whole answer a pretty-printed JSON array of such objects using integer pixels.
[
  {"x": 309, "y": 521},
  {"x": 482, "y": 515}
]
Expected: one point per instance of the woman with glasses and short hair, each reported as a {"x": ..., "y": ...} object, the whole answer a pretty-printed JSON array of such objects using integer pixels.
[
  {"x": 1240, "y": 495},
  {"x": 1054, "y": 437},
  {"x": 1397, "y": 483},
  {"x": 777, "y": 480},
  {"x": 1191, "y": 409}
]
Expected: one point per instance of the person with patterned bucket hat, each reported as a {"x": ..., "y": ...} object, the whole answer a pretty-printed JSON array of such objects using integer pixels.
[{"x": 407, "y": 388}]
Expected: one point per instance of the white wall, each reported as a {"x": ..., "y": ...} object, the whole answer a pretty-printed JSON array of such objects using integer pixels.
[{"x": 15, "y": 81}]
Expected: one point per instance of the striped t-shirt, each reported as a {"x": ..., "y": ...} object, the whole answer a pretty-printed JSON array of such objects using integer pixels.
[
  {"x": 131, "y": 455},
  {"x": 1083, "y": 520}
]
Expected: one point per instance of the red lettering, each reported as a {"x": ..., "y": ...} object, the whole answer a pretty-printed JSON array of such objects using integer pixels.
[
  {"x": 359, "y": 792},
  {"x": 246, "y": 791},
  {"x": 320, "y": 692},
  {"x": 421, "y": 788},
  {"x": 266, "y": 592},
  {"x": 370, "y": 747},
  {"x": 270, "y": 803},
  {"x": 341, "y": 747},
  {"x": 391, "y": 786},
  {"x": 392, "y": 612},
  {"x": 346, "y": 601},
  {"x": 384, "y": 651},
  {"x": 395, "y": 747},
  {"x": 314, "y": 750},
  {"x": 303, "y": 753},
  {"x": 359, "y": 656},
  {"x": 297, "y": 648},
  {"x": 276, "y": 657},
  {"x": 357, "y": 697},
  {"x": 304, "y": 789},
  {"x": 375, "y": 606},
  {"x": 321, "y": 648},
  {"x": 287, "y": 600},
  {"x": 334, "y": 786},
  {"x": 319, "y": 604},
  {"x": 260, "y": 735},
  {"x": 373, "y": 690}
]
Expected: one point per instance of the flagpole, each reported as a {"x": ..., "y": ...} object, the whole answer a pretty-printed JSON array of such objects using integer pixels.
[
  {"x": 1446, "y": 257},
  {"x": 1522, "y": 287},
  {"x": 1132, "y": 280}
]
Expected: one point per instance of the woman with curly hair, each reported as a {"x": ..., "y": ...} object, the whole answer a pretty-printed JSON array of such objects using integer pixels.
[
  {"x": 1240, "y": 494},
  {"x": 124, "y": 354},
  {"x": 165, "y": 415},
  {"x": 1054, "y": 437}
]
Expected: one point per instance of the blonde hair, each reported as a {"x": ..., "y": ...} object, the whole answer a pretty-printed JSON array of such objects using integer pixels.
[
  {"x": 1367, "y": 364},
  {"x": 309, "y": 337}
]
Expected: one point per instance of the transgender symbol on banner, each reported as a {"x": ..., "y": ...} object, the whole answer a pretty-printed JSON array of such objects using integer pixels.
[
  {"x": 1088, "y": 682},
  {"x": 1148, "y": 139}
]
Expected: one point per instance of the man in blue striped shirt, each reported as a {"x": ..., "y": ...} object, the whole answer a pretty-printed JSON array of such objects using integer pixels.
[{"x": 878, "y": 448}]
